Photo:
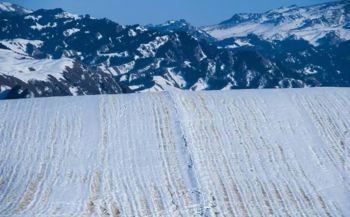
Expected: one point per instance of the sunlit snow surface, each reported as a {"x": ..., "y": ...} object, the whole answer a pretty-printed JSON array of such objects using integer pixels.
[{"x": 220, "y": 153}]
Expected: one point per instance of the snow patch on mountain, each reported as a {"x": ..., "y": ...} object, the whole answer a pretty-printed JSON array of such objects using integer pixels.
[
  {"x": 149, "y": 49},
  {"x": 5, "y": 6},
  {"x": 124, "y": 68},
  {"x": 70, "y": 32},
  {"x": 39, "y": 27},
  {"x": 12, "y": 8},
  {"x": 132, "y": 33},
  {"x": 67, "y": 15},
  {"x": 201, "y": 84},
  {"x": 27, "y": 68},
  {"x": 32, "y": 17},
  {"x": 19, "y": 45}
]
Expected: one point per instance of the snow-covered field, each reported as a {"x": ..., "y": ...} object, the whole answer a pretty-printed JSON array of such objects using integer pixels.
[{"x": 220, "y": 153}]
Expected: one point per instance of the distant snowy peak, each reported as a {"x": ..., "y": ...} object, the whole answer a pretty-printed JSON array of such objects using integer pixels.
[
  {"x": 310, "y": 23},
  {"x": 9, "y": 8},
  {"x": 175, "y": 24},
  {"x": 182, "y": 26}
]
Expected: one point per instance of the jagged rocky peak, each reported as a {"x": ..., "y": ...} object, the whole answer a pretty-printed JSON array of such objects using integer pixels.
[
  {"x": 176, "y": 23},
  {"x": 172, "y": 25},
  {"x": 182, "y": 25}
]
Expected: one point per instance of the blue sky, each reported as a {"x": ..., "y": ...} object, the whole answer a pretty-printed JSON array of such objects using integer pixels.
[{"x": 197, "y": 12}]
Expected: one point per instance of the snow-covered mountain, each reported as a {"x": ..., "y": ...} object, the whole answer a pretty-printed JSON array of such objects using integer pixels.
[
  {"x": 221, "y": 153},
  {"x": 140, "y": 59},
  {"x": 23, "y": 76},
  {"x": 114, "y": 58},
  {"x": 311, "y": 23},
  {"x": 12, "y": 9}
]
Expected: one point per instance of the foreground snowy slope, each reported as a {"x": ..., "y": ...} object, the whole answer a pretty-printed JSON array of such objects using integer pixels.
[{"x": 234, "y": 153}]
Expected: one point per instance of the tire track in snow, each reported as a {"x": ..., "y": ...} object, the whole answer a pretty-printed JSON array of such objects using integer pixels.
[
  {"x": 20, "y": 154},
  {"x": 168, "y": 148},
  {"x": 185, "y": 151}
]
